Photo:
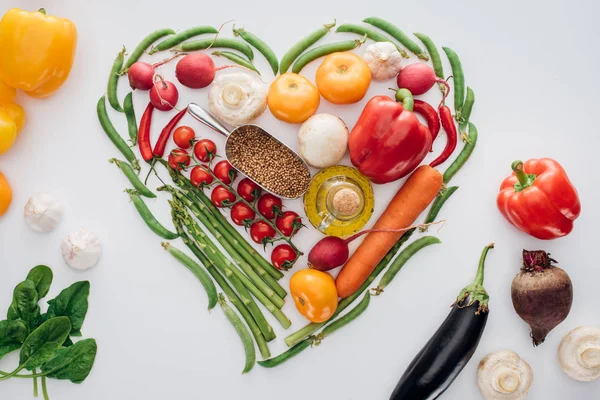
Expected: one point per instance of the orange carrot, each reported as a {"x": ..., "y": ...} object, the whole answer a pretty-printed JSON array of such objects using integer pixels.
[{"x": 411, "y": 200}]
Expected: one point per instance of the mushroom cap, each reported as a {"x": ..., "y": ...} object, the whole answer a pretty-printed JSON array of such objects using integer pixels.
[
  {"x": 503, "y": 375},
  {"x": 323, "y": 140},
  {"x": 237, "y": 98},
  {"x": 579, "y": 354}
]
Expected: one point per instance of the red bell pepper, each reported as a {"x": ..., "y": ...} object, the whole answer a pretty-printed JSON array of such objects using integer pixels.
[
  {"x": 539, "y": 199},
  {"x": 388, "y": 141}
]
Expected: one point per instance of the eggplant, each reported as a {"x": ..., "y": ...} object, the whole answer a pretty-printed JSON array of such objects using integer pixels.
[{"x": 449, "y": 350}]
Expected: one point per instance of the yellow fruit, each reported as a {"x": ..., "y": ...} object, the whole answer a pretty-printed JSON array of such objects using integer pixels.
[
  {"x": 15, "y": 112},
  {"x": 8, "y": 131},
  {"x": 7, "y": 94},
  {"x": 5, "y": 194}
]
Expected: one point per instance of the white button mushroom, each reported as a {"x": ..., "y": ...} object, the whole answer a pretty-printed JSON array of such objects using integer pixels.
[
  {"x": 579, "y": 354},
  {"x": 503, "y": 375},
  {"x": 43, "y": 212},
  {"x": 81, "y": 249},
  {"x": 383, "y": 60},
  {"x": 237, "y": 98},
  {"x": 323, "y": 140}
]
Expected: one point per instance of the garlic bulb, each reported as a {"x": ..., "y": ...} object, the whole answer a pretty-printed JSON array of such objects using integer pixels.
[
  {"x": 579, "y": 353},
  {"x": 503, "y": 375},
  {"x": 81, "y": 249},
  {"x": 43, "y": 212},
  {"x": 383, "y": 60},
  {"x": 237, "y": 98},
  {"x": 323, "y": 140}
]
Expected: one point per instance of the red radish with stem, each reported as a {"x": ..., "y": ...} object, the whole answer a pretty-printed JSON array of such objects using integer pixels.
[
  {"x": 163, "y": 95},
  {"x": 141, "y": 74},
  {"x": 332, "y": 252},
  {"x": 419, "y": 78},
  {"x": 197, "y": 70}
]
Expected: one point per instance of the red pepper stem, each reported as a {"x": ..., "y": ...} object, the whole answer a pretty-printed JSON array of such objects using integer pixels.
[
  {"x": 390, "y": 230},
  {"x": 517, "y": 167},
  {"x": 445, "y": 92},
  {"x": 405, "y": 97}
]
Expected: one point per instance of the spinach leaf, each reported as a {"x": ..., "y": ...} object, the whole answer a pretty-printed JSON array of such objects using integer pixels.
[
  {"x": 24, "y": 305},
  {"x": 73, "y": 363},
  {"x": 41, "y": 276},
  {"x": 43, "y": 342},
  {"x": 12, "y": 336},
  {"x": 71, "y": 302},
  {"x": 68, "y": 342}
]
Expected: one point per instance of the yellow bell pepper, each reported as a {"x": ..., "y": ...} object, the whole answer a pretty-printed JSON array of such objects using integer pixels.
[
  {"x": 15, "y": 112},
  {"x": 7, "y": 94},
  {"x": 8, "y": 132},
  {"x": 37, "y": 51},
  {"x": 5, "y": 195}
]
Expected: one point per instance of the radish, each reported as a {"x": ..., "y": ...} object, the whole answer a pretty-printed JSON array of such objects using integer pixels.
[
  {"x": 164, "y": 94},
  {"x": 141, "y": 74},
  {"x": 542, "y": 294},
  {"x": 419, "y": 78},
  {"x": 198, "y": 70}
]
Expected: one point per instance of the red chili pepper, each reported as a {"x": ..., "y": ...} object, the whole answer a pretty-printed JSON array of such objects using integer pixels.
[
  {"x": 450, "y": 128},
  {"x": 144, "y": 134},
  {"x": 431, "y": 117},
  {"x": 161, "y": 144}
]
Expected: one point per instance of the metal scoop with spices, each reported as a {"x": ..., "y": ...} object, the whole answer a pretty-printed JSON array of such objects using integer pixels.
[{"x": 260, "y": 156}]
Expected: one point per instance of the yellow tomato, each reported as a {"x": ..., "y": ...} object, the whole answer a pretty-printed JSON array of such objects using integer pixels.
[
  {"x": 5, "y": 194},
  {"x": 343, "y": 78},
  {"x": 15, "y": 112},
  {"x": 7, "y": 93},
  {"x": 315, "y": 294},
  {"x": 8, "y": 132},
  {"x": 293, "y": 98}
]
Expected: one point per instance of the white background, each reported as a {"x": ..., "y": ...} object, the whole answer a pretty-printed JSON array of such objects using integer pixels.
[{"x": 533, "y": 66}]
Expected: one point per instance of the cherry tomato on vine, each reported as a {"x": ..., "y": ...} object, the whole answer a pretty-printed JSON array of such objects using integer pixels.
[
  {"x": 183, "y": 136},
  {"x": 221, "y": 196},
  {"x": 269, "y": 206},
  {"x": 314, "y": 293},
  {"x": 205, "y": 150},
  {"x": 200, "y": 176},
  {"x": 248, "y": 190},
  {"x": 225, "y": 172},
  {"x": 242, "y": 214},
  {"x": 179, "y": 158},
  {"x": 261, "y": 232},
  {"x": 288, "y": 223},
  {"x": 283, "y": 256}
]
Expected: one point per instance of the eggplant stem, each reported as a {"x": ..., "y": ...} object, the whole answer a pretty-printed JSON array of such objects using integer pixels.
[{"x": 480, "y": 270}]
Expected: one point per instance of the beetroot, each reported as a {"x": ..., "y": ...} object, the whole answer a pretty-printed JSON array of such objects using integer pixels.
[
  {"x": 542, "y": 294},
  {"x": 419, "y": 78},
  {"x": 163, "y": 95}
]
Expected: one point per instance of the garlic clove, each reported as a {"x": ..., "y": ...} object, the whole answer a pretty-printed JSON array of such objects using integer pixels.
[
  {"x": 579, "y": 354},
  {"x": 81, "y": 250},
  {"x": 504, "y": 375},
  {"x": 43, "y": 212}
]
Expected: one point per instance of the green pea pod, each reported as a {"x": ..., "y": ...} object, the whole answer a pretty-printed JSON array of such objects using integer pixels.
[
  {"x": 259, "y": 45},
  {"x": 344, "y": 320},
  {"x": 466, "y": 112},
  {"x": 174, "y": 40},
  {"x": 464, "y": 154},
  {"x": 113, "y": 81},
  {"x": 434, "y": 54},
  {"x": 148, "y": 218},
  {"x": 113, "y": 135},
  {"x": 236, "y": 59},
  {"x": 438, "y": 203},
  {"x": 133, "y": 178},
  {"x": 286, "y": 355},
  {"x": 397, "y": 34},
  {"x": 242, "y": 332},
  {"x": 214, "y": 43},
  {"x": 459, "y": 81},
  {"x": 131, "y": 121},
  {"x": 371, "y": 34},
  {"x": 324, "y": 50},
  {"x": 290, "y": 56},
  {"x": 143, "y": 46}
]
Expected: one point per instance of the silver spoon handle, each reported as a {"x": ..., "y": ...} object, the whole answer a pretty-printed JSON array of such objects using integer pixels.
[{"x": 206, "y": 118}]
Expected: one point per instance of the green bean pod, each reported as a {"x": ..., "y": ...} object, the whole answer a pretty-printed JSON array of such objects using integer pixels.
[
  {"x": 324, "y": 50},
  {"x": 236, "y": 59},
  {"x": 113, "y": 81},
  {"x": 214, "y": 43},
  {"x": 113, "y": 135},
  {"x": 286, "y": 355},
  {"x": 148, "y": 218},
  {"x": 290, "y": 56},
  {"x": 130, "y": 115},
  {"x": 143, "y": 46},
  {"x": 438, "y": 203},
  {"x": 344, "y": 320},
  {"x": 404, "y": 256},
  {"x": 466, "y": 113},
  {"x": 259, "y": 45},
  {"x": 174, "y": 40},
  {"x": 434, "y": 54},
  {"x": 459, "y": 81},
  {"x": 371, "y": 34},
  {"x": 133, "y": 178},
  {"x": 464, "y": 154},
  {"x": 242, "y": 332},
  {"x": 397, "y": 34},
  {"x": 203, "y": 277}
]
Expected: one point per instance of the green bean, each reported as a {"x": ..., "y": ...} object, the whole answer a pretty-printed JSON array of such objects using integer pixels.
[
  {"x": 466, "y": 113},
  {"x": 259, "y": 45},
  {"x": 286, "y": 355},
  {"x": 397, "y": 34},
  {"x": 399, "y": 262},
  {"x": 324, "y": 50},
  {"x": 439, "y": 201},
  {"x": 113, "y": 135},
  {"x": 181, "y": 36},
  {"x": 236, "y": 59},
  {"x": 203, "y": 277},
  {"x": 143, "y": 46},
  {"x": 290, "y": 56},
  {"x": 344, "y": 320},
  {"x": 243, "y": 333},
  {"x": 133, "y": 178},
  {"x": 344, "y": 303},
  {"x": 148, "y": 218},
  {"x": 370, "y": 33},
  {"x": 459, "y": 81},
  {"x": 464, "y": 154},
  {"x": 131, "y": 121},
  {"x": 214, "y": 43},
  {"x": 434, "y": 54},
  {"x": 113, "y": 81}
]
